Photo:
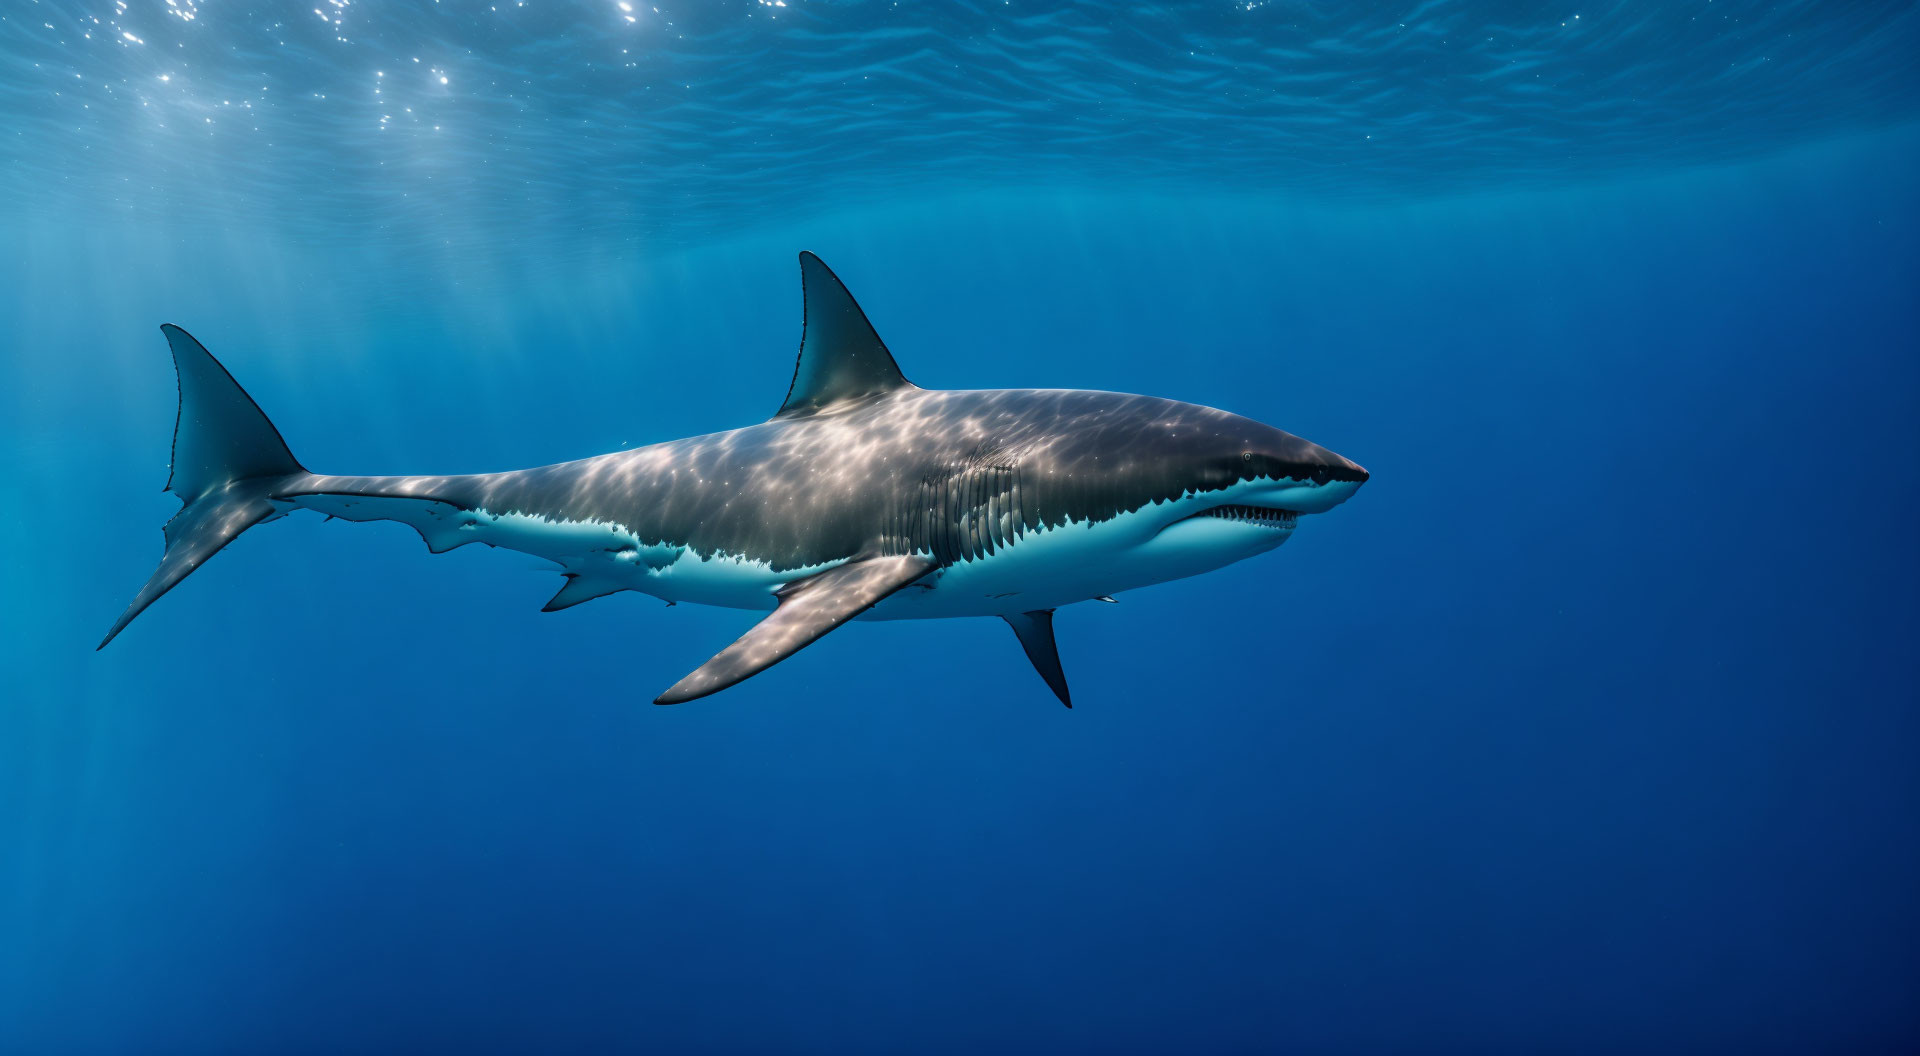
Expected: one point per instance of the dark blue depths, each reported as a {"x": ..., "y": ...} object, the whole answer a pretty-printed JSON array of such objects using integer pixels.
[{"x": 1588, "y": 725}]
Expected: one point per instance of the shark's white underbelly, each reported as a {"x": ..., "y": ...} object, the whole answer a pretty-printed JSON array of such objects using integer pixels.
[
  {"x": 1078, "y": 561},
  {"x": 1044, "y": 569}
]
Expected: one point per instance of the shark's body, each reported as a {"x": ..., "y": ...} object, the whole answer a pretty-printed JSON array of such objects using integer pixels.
[{"x": 865, "y": 496}]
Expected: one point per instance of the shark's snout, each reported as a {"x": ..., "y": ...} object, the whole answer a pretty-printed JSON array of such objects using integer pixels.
[
  {"x": 1315, "y": 481},
  {"x": 1326, "y": 466}
]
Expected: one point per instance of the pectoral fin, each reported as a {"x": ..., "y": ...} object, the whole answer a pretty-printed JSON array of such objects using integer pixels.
[
  {"x": 1035, "y": 631},
  {"x": 808, "y": 609}
]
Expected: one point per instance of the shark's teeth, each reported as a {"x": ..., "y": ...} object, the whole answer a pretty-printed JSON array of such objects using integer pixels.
[{"x": 1263, "y": 515}]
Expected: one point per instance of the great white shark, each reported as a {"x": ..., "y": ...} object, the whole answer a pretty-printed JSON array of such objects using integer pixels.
[{"x": 864, "y": 496}]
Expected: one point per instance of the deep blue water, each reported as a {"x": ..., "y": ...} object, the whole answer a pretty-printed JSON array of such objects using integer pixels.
[{"x": 1588, "y": 725}]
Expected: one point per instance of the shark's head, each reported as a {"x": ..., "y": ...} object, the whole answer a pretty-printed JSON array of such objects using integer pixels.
[
  {"x": 1206, "y": 488},
  {"x": 1248, "y": 486}
]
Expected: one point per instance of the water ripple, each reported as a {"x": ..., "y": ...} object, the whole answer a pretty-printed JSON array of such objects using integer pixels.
[{"x": 470, "y": 123}]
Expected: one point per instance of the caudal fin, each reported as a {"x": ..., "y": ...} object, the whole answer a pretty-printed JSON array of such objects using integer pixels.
[{"x": 227, "y": 459}]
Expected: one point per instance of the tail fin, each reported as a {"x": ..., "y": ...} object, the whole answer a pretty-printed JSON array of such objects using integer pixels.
[{"x": 227, "y": 460}]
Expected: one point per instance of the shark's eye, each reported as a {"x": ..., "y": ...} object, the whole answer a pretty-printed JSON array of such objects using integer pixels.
[{"x": 1246, "y": 456}]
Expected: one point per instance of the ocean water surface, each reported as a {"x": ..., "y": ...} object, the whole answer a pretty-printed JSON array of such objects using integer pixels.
[{"x": 1588, "y": 725}]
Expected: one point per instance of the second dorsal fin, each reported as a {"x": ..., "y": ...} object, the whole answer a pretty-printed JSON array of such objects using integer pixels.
[{"x": 841, "y": 358}]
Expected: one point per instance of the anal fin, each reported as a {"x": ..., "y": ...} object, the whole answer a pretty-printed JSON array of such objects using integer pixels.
[
  {"x": 807, "y": 610},
  {"x": 1035, "y": 631},
  {"x": 580, "y": 588}
]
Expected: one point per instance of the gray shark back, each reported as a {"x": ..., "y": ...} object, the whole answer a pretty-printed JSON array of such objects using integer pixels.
[{"x": 956, "y": 475}]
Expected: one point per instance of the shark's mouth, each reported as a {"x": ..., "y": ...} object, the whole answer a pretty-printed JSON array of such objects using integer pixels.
[{"x": 1260, "y": 516}]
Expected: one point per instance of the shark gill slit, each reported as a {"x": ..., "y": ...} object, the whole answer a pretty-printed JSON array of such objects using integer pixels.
[{"x": 966, "y": 513}]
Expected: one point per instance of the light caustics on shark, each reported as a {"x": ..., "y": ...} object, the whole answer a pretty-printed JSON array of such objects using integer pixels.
[{"x": 864, "y": 496}]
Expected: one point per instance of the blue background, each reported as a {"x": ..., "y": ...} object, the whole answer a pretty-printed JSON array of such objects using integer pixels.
[{"x": 1588, "y": 725}]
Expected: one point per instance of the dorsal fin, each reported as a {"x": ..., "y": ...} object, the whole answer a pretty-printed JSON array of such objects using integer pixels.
[{"x": 841, "y": 358}]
